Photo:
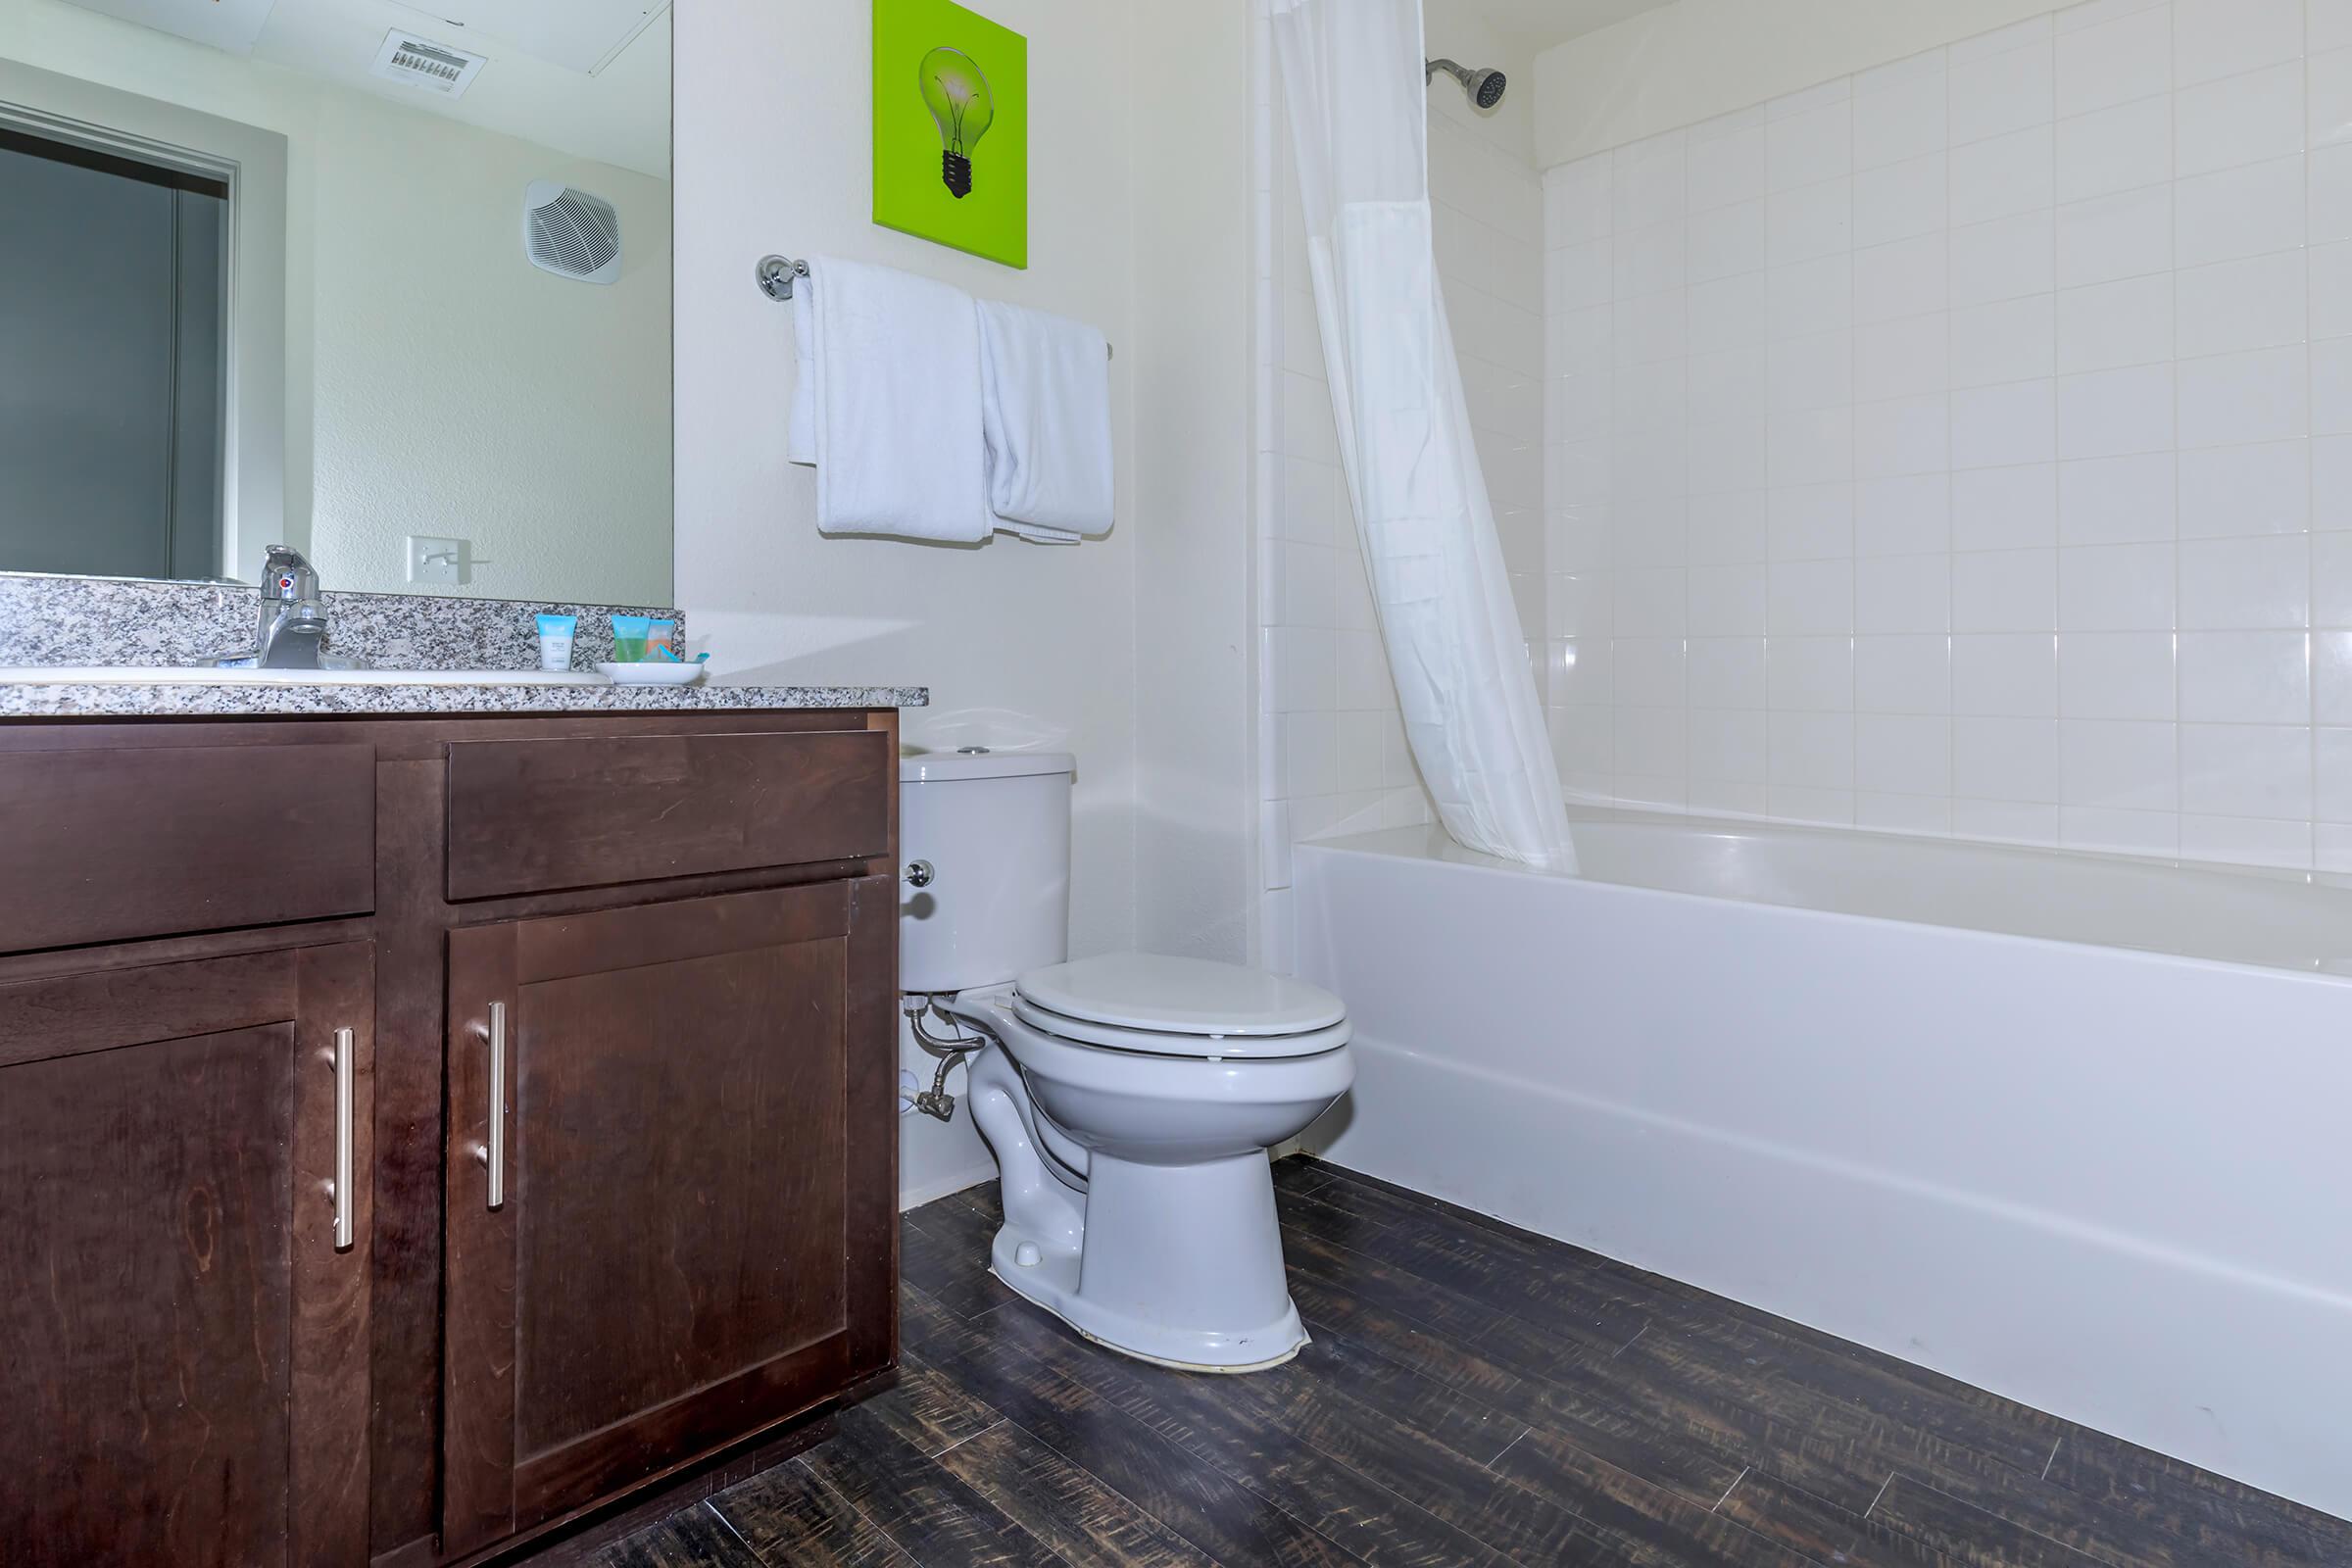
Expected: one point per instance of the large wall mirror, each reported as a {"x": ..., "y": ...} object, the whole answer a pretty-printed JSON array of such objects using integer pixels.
[{"x": 392, "y": 286}]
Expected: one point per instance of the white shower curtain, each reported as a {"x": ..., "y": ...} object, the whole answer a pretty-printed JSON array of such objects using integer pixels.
[{"x": 1352, "y": 73}]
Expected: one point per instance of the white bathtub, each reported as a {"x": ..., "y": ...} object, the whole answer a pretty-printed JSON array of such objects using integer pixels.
[{"x": 2074, "y": 1128}]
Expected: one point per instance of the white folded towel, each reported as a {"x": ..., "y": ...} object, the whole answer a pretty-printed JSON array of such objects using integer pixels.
[
  {"x": 886, "y": 405},
  {"x": 800, "y": 431},
  {"x": 1045, "y": 411}
]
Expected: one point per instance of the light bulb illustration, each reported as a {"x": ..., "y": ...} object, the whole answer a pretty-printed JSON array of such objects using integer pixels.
[{"x": 957, "y": 94}]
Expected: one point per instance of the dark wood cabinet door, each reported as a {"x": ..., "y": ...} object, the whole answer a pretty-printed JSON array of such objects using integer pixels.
[
  {"x": 183, "y": 1320},
  {"x": 689, "y": 1232}
]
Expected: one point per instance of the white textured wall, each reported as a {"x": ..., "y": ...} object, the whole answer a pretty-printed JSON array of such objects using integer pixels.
[
  {"x": 435, "y": 382},
  {"x": 1118, "y": 648}
]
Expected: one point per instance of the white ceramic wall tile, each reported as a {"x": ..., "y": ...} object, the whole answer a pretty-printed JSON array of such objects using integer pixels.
[
  {"x": 1898, "y": 121},
  {"x": 2109, "y": 413},
  {"x": 2003, "y": 176},
  {"x": 2119, "y": 500},
  {"x": 2262, "y": 488},
  {"x": 2240, "y": 583},
  {"x": 2006, "y": 508},
  {"x": 1965, "y": 447},
  {"x": 2230, "y": 307},
  {"x": 2239, "y": 212},
  {"x": 2246, "y": 678},
  {"x": 2221, "y": 37},
  {"x": 2330, "y": 212},
  {"x": 2116, "y": 587},
  {"x": 2003, "y": 259},
  {"x": 2108, "y": 150},
  {"x": 2118, "y": 675},
  {"x": 2006, "y": 90},
  {"x": 2000, "y": 426},
  {"x": 2008, "y": 340},
  {"x": 1808, "y": 145},
  {"x": 2328, "y": 25},
  {"x": 2116, "y": 60},
  {"x": 2329, "y": 82},
  {"x": 2238, "y": 120},
  {"x": 2110, "y": 237},
  {"x": 2233, "y": 399},
  {"x": 2009, "y": 674},
  {"x": 1903, "y": 674}
]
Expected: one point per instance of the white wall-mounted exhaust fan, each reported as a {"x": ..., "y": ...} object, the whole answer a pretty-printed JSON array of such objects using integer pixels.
[
  {"x": 570, "y": 233},
  {"x": 422, "y": 63}
]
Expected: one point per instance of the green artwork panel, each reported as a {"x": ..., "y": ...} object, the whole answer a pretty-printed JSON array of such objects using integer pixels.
[{"x": 951, "y": 128}]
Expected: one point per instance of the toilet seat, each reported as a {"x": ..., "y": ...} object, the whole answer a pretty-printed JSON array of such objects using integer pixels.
[
  {"x": 1151, "y": 1042},
  {"x": 1158, "y": 1006}
]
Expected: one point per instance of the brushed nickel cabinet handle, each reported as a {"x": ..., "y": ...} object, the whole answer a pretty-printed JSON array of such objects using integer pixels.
[
  {"x": 341, "y": 1187},
  {"x": 495, "y": 1156}
]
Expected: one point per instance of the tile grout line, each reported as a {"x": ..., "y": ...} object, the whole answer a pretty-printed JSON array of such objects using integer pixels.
[
  {"x": 708, "y": 1505},
  {"x": 967, "y": 1437},
  {"x": 1880, "y": 1497},
  {"x": 851, "y": 1504},
  {"x": 1278, "y": 1505},
  {"x": 1089, "y": 1472},
  {"x": 1734, "y": 1486}
]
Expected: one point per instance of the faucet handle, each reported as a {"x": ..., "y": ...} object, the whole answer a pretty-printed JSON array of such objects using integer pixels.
[{"x": 285, "y": 574}]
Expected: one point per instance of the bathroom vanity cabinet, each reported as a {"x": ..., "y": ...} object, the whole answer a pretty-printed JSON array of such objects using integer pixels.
[{"x": 417, "y": 1133}]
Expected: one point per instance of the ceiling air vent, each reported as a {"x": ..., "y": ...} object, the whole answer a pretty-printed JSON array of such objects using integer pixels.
[
  {"x": 570, "y": 232},
  {"x": 420, "y": 63}
]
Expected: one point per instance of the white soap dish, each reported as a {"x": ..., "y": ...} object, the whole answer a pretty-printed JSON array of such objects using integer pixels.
[{"x": 653, "y": 674}]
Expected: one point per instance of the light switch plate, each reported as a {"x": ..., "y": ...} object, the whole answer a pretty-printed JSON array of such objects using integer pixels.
[{"x": 433, "y": 560}]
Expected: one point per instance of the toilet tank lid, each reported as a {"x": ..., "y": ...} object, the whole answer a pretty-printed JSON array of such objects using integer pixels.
[{"x": 941, "y": 767}]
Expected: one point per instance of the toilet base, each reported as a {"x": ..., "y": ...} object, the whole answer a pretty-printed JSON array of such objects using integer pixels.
[
  {"x": 1053, "y": 1282},
  {"x": 1177, "y": 1264}
]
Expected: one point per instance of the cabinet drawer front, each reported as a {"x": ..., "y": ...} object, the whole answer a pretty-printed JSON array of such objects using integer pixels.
[
  {"x": 120, "y": 844},
  {"x": 538, "y": 816}
]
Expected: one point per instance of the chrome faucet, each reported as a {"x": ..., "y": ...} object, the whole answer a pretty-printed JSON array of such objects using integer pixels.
[
  {"x": 291, "y": 631},
  {"x": 290, "y": 628}
]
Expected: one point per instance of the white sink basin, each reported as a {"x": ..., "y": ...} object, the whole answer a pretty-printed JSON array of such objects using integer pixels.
[{"x": 207, "y": 675}]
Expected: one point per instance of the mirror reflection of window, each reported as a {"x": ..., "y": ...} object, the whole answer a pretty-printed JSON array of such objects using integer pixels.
[{"x": 112, "y": 282}]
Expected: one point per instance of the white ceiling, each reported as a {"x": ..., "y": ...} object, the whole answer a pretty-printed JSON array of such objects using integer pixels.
[
  {"x": 535, "y": 85},
  {"x": 619, "y": 116},
  {"x": 1537, "y": 24}
]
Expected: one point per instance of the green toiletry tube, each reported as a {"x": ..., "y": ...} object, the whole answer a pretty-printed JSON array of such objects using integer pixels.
[{"x": 629, "y": 633}]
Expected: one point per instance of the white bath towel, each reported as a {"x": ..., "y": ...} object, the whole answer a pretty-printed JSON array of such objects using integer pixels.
[
  {"x": 800, "y": 431},
  {"x": 887, "y": 406},
  {"x": 1045, "y": 411}
]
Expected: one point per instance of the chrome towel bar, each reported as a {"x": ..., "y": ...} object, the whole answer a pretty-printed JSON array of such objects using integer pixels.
[{"x": 775, "y": 275}]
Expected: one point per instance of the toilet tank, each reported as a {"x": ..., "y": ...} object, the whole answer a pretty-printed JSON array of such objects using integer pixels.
[{"x": 995, "y": 830}]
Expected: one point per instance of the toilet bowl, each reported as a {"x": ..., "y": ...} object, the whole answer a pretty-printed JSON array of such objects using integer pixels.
[
  {"x": 1139, "y": 1202},
  {"x": 1130, "y": 1098}
]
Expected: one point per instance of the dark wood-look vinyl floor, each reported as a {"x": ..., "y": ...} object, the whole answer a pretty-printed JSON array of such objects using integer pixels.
[{"x": 1474, "y": 1395}]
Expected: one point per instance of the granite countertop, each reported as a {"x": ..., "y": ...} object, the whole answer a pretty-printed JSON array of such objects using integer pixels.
[{"x": 221, "y": 700}]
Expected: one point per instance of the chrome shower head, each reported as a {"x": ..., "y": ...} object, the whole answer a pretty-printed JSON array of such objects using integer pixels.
[{"x": 1484, "y": 83}]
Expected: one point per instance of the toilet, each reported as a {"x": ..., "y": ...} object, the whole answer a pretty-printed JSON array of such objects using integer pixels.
[{"x": 1129, "y": 1099}]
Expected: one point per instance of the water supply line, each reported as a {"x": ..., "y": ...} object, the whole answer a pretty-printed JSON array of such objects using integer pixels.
[{"x": 949, "y": 1048}]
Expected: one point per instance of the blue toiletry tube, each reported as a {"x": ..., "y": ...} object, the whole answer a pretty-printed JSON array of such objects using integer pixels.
[{"x": 555, "y": 641}]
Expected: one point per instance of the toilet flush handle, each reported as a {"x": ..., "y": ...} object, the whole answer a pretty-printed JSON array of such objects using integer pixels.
[{"x": 919, "y": 874}]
